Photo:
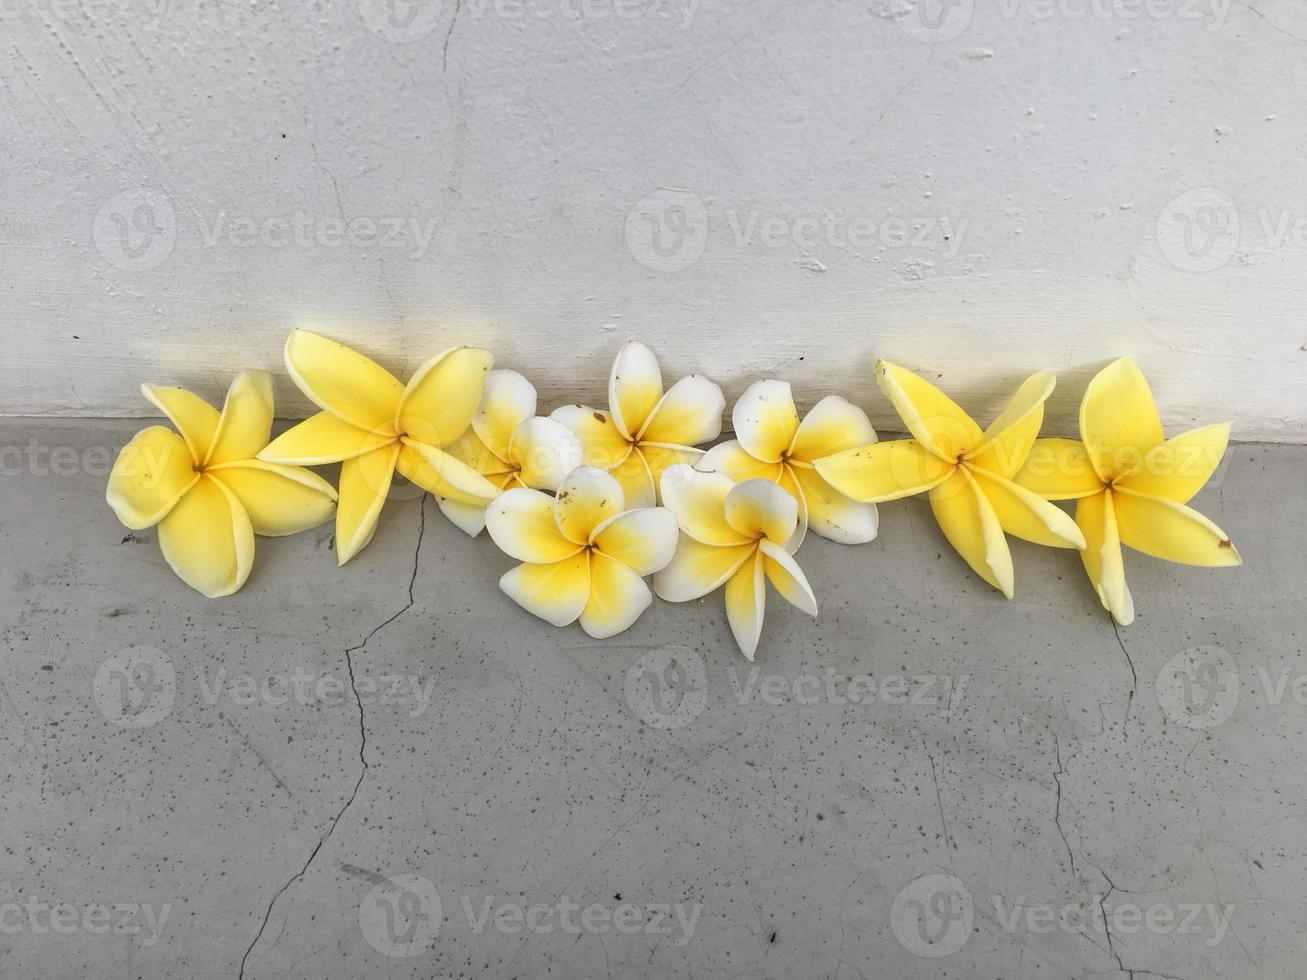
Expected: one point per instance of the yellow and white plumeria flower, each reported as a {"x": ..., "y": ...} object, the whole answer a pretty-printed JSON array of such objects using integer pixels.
[
  {"x": 734, "y": 534},
  {"x": 644, "y": 430},
  {"x": 585, "y": 555},
  {"x": 771, "y": 443},
  {"x": 1131, "y": 484},
  {"x": 373, "y": 425},
  {"x": 967, "y": 473},
  {"x": 206, "y": 490},
  {"x": 511, "y": 446}
]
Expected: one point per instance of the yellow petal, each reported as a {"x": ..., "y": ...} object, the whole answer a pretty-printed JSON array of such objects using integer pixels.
[
  {"x": 833, "y": 515},
  {"x": 789, "y": 482},
  {"x": 766, "y": 420},
  {"x": 636, "y": 480},
  {"x": 587, "y": 498},
  {"x": 1171, "y": 531},
  {"x": 279, "y": 500},
  {"x": 972, "y": 527},
  {"x": 1178, "y": 468},
  {"x": 557, "y": 593},
  {"x": 521, "y": 522},
  {"x": 634, "y": 387},
  {"x": 208, "y": 540},
  {"x": 468, "y": 518},
  {"x": 787, "y": 577},
  {"x": 246, "y": 422},
  {"x": 443, "y": 395},
  {"x": 1028, "y": 515},
  {"x": 732, "y": 460},
  {"x": 194, "y": 418},
  {"x": 151, "y": 474},
  {"x": 617, "y": 597},
  {"x": 507, "y": 401},
  {"x": 931, "y": 416},
  {"x": 364, "y": 483},
  {"x": 699, "y": 502},
  {"x": 833, "y": 425},
  {"x": 436, "y": 471},
  {"x": 697, "y": 569},
  {"x": 545, "y": 451},
  {"x": 321, "y": 439},
  {"x": 746, "y": 595},
  {"x": 884, "y": 471},
  {"x": 1119, "y": 423},
  {"x": 602, "y": 443},
  {"x": 690, "y": 413},
  {"x": 1059, "y": 469},
  {"x": 468, "y": 448},
  {"x": 645, "y": 539},
  {"x": 344, "y": 382},
  {"x": 1101, "y": 556},
  {"x": 1009, "y": 439},
  {"x": 762, "y": 509},
  {"x": 658, "y": 456}
]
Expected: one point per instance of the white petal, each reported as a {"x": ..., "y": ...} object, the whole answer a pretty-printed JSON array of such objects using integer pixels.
[
  {"x": 766, "y": 420},
  {"x": 507, "y": 400},
  {"x": 788, "y": 578},
  {"x": 690, "y": 413},
  {"x": 545, "y": 450},
  {"x": 761, "y": 508},
  {"x": 645, "y": 539},
  {"x": 634, "y": 387},
  {"x": 699, "y": 502},
  {"x": 521, "y": 522},
  {"x": 587, "y": 498}
]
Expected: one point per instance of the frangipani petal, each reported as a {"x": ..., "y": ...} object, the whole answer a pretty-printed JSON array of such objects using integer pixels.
[
  {"x": 557, "y": 593},
  {"x": 194, "y": 418},
  {"x": 1028, "y": 515},
  {"x": 658, "y": 456},
  {"x": 1171, "y": 531},
  {"x": 364, "y": 483},
  {"x": 151, "y": 474},
  {"x": 787, "y": 577},
  {"x": 521, "y": 522},
  {"x": 443, "y": 395},
  {"x": 468, "y": 518},
  {"x": 746, "y": 597},
  {"x": 1009, "y": 439},
  {"x": 1059, "y": 469},
  {"x": 834, "y": 425},
  {"x": 833, "y": 515},
  {"x": 587, "y": 498},
  {"x": 645, "y": 539},
  {"x": 507, "y": 401},
  {"x": 1179, "y": 467},
  {"x": 602, "y": 443},
  {"x": 789, "y": 482},
  {"x": 971, "y": 526},
  {"x": 933, "y": 418},
  {"x": 246, "y": 422},
  {"x": 699, "y": 502},
  {"x": 344, "y": 382},
  {"x": 279, "y": 500},
  {"x": 436, "y": 471},
  {"x": 208, "y": 540},
  {"x": 730, "y": 459},
  {"x": 884, "y": 471},
  {"x": 545, "y": 451},
  {"x": 617, "y": 597},
  {"x": 690, "y": 413},
  {"x": 1119, "y": 423},
  {"x": 321, "y": 439},
  {"x": 697, "y": 569},
  {"x": 634, "y": 387},
  {"x": 1102, "y": 555},
  {"x": 635, "y": 479},
  {"x": 766, "y": 420},
  {"x": 762, "y": 509}
]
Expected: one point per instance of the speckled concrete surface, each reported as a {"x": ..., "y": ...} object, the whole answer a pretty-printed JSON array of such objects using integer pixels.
[{"x": 927, "y": 781}]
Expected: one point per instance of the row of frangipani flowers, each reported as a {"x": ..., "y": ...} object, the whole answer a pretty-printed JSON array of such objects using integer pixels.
[{"x": 592, "y": 501}]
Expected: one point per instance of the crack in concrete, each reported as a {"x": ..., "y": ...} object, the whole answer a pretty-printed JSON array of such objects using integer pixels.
[
  {"x": 1134, "y": 677},
  {"x": 363, "y": 737},
  {"x": 1058, "y": 773}
]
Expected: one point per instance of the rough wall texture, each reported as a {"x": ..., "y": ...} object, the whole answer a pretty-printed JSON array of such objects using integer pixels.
[{"x": 750, "y": 187}]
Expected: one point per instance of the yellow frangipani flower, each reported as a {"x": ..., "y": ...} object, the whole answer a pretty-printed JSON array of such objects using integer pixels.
[
  {"x": 585, "y": 555},
  {"x": 511, "y": 446},
  {"x": 373, "y": 425},
  {"x": 206, "y": 490},
  {"x": 644, "y": 430},
  {"x": 967, "y": 473},
  {"x": 1131, "y": 484},
  {"x": 734, "y": 534},
  {"x": 771, "y": 443}
]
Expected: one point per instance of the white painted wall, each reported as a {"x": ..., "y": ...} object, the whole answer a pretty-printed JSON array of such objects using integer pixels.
[{"x": 1061, "y": 144}]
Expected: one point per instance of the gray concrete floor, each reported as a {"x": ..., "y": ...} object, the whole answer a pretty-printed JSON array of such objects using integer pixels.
[{"x": 195, "y": 789}]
